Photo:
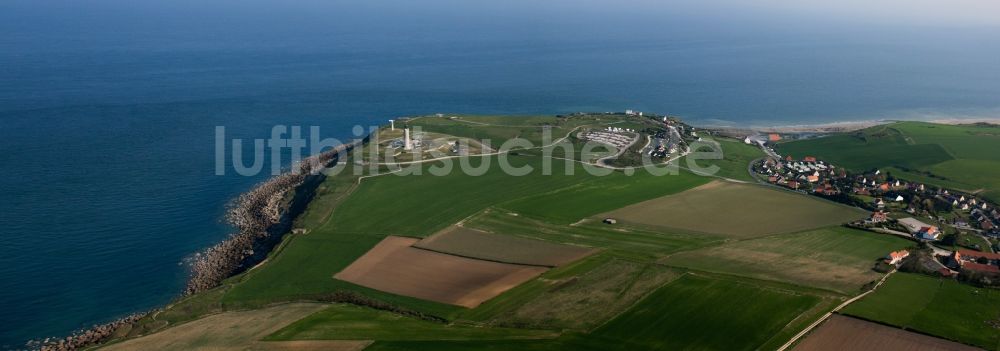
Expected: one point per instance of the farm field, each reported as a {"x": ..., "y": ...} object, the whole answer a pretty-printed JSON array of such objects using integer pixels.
[
  {"x": 239, "y": 330},
  {"x": 735, "y": 210},
  {"x": 455, "y": 195},
  {"x": 302, "y": 267},
  {"x": 577, "y": 297},
  {"x": 835, "y": 258},
  {"x": 349, "y": 322},
  {"x": 693, "y": 311},
  {"x": 943, "y": 308},
  {"x": 855, "y": 150},
  {"x": 472, "y": 243},
  {"x": 736, "y": 157},
  {"x": 396, "y": 267},
  {"x": 976, "y": 176},
  {"x": 635, "y": 244},
  {"x": 596, "y": 194},
  {"x": 846, "y": 333}
]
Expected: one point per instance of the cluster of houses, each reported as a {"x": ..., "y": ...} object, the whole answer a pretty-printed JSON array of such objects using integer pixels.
[
  {"x": 975, "y": 261},
  {"x": 611, "y": 135},
  {"x": 986, "y": 219},
  {"x": 807, "y": 173},
  {"x": 662, "y": 145},
  {"x": 975, "y": 214}
]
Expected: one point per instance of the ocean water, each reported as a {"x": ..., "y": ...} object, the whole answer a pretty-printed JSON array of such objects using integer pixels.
[{"x": 108, "y": 109}]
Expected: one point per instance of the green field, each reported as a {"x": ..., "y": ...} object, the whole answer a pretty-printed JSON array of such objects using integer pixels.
[
  {"x": 880, "y": 146},
  {"x": 735, "y": 160},
  {"x": 348, "y": 322},
  {"x": 736, "y": 210},
  {"x": 467, "y": 242},
  {"x": 305, "y": 266},
  {"x": 939, "y": 307},
  {"x": 635, "y": 244},
  {"x": 578, "y": 297},
  {"x": 596, "y": 194},
  {"x": 693, "y": 312},
  {"x": 961, "y": 157},
  {"x": 836, "y": 258},
  {"x": 696, "y": 312}
]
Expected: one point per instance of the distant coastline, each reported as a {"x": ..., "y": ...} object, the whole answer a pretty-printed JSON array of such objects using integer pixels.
[{"x": 845, "y": 126}]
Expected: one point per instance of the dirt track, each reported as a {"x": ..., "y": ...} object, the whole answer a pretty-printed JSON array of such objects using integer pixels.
[{"x": 396, "y": 267}]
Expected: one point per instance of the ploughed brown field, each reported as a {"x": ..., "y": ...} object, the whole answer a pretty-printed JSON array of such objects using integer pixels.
[
  {"x": 846, "y": 333},
  {"x": 472, "y": 243},
  {"x": 395, "y": 266}
]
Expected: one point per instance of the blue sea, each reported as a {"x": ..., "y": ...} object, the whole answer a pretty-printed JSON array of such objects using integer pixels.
[{"x": 108, "y": 108}]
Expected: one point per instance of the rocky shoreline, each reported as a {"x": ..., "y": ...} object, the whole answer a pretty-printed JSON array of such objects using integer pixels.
[{"x": 261, "y": 217}]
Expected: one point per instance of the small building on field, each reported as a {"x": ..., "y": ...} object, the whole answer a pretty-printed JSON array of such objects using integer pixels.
[{"x": 896, "y": 256}]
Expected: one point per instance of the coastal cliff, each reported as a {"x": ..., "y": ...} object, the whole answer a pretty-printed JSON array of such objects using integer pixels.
[{"x": 261, "y": 217}]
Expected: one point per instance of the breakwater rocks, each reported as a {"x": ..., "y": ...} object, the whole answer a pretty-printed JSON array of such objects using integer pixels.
[
  {"x": 260, "y": 217},
  {"x": 88, "y": 337}
]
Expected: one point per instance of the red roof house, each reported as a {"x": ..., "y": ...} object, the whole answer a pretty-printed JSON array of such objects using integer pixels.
[{"x": 896, "y": 256}]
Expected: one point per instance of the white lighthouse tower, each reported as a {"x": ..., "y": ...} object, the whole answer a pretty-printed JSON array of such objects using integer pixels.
[
  {"x": 392, "y": 124},
  {"x": 407, "y": 143}
]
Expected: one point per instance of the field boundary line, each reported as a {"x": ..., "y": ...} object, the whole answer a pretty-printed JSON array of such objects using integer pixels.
[{"x": 483, "y": 259}]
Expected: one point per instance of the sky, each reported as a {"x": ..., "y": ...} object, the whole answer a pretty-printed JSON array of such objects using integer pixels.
[{"x": 960, "y": 13}]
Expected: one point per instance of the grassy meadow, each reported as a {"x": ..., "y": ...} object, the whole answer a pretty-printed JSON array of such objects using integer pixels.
[
  {"x": 736, "y": 156},
  {"x": 935, "y": 306},
  {"x": 835, "y": 258},
  {"x": 736, "y": 211},
  {"x": 635, "y": 244},
  {"x": 349, "y": 322},
  {"x": 467, "y": 242},
  {"x": 698, "y": 312}
]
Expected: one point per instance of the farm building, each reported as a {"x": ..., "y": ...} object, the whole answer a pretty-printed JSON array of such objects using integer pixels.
[
  {"x": 928, "y": 233},
  {"x": 912, "y": 224},
  {"x": 879, "y": 217},
  {"x": 896, "y": 256},
  {"x": 977, "y": 261}
]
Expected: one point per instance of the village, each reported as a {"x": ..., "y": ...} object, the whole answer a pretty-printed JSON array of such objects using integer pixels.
[{"x": 957, "y": 233}]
